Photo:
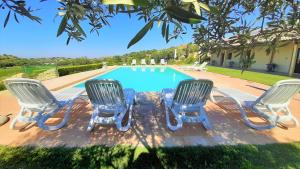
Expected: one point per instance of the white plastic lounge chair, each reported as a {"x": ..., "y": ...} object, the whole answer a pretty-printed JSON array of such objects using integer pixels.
[
  {"x": 190, "y": 96},
  {"x": 143, "y": 62},
  {"x": 152, "y": 62},
  {"x": 133, "y": 62},
  {"x": 202, "y": 67},
  {"x": 104, "y": 65},
  {"x": 195, "y": 67},
  {"x": 36, "y": 100},
  {"x": 268, "y": 106},
  {"x": 110, "y": 103},
  {"x": 189, "y": 67},
  {"x": 163, "y": 62}
]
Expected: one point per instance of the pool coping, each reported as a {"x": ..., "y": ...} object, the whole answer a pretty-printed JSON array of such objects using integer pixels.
[
  {"x": 90, "y": 77},
  {"x": 73, "y": 83}
]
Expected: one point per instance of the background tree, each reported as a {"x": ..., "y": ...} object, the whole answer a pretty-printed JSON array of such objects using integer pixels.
[{"x": 274, "y": 19}]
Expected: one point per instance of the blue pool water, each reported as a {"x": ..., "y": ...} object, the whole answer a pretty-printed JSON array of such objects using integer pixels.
[{"x": 144, "y": 79}]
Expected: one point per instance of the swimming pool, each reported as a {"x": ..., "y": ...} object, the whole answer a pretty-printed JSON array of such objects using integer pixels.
[{"x": 144, "y": 79}]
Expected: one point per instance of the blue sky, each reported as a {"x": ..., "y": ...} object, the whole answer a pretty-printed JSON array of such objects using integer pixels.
[{"x": 30, "y": 39}]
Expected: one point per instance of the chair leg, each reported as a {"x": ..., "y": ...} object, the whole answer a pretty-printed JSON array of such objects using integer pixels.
[
  {"x": 91, "y": 124},
  {"x": 13, "y": 123},
  {"x": 203, "y": 117},
  {"x": 289, "y": 117},
  {"x": 249, "y": 123},
  {"x": 41, "y": 121},
  {"x": 16, "y": 119},
  {"x": 177, "y": 117},
  {"x": 121, "y": 117}
]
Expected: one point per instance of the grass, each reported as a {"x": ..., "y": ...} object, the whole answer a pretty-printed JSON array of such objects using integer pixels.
[
  {"x": 33, "y": 71},
  {"x": 241, "y": 156},
  {"x": 28, "y": 71},
  {"x": 263, "y": 78},
  {"x": 8, "y": 72}
]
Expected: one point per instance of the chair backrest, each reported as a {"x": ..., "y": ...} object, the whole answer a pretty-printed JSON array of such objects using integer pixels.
[
  {"x": 195, "y": 63},
  {"x": 281, "y": 92},
  {"x": 133, "y": 61},
  {"x": 162, "y": 61},
  {"x": 105, "y": 92},
  {"x": 30, "y": 93},
  {"x": 143, "y": 61},
  {"x": 189, "y": 92},
  {"x": 203, "y": 65},
  {"x": 152, "y": 61}
]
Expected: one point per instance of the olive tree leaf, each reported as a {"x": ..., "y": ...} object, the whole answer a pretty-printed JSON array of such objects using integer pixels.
[
  {"x": 126, "y": 2},
  {"x": 167, "y": 34},
  {"x": 163, "y": 29},
  {"x": 68, "y": 40},
  {"x": 76, "y": 24},
  {"x": 62, "y": 25},
  {"x": 197, "y": 7},
  {"x": 204, "y": 6},
  {"x": 16, "y": 18},
  {"x": 182, "y": 15},
  {"x": 189, "y": 1},
  {"x": 6, "y": 19},
  {"x": 141, "y": 33}
]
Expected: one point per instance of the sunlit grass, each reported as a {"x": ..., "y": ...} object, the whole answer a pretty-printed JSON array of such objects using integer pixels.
[
  {"x": 28, "y": 71},
  {"x": 263, "y": 78}
]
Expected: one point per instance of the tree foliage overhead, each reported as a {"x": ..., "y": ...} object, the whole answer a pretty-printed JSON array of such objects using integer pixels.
[
  {"x": 172, "y": 15},
  {"x": 213, "y": 21}
]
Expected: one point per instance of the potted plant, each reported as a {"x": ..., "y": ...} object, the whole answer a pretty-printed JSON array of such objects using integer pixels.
[
  {"x": 231, "y": 63},
  {"x": 271, "y": 67},
  {"x": 213, "y": 62}
]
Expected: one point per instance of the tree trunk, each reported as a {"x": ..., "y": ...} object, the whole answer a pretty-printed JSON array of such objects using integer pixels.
[{"x": 272, "y": 57}]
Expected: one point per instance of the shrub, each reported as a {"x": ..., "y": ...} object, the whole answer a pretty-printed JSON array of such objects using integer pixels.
[
  {"x": 2, "y": 87},
  {"x": 62, "y": 71}
]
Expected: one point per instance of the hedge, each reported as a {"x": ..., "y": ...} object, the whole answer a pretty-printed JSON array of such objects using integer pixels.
[
  {"x": 2, "y": 87},
  {"x": 62, "y": 71}
]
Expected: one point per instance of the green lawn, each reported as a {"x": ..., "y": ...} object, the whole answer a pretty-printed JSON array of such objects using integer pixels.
[
  {"x": 29, "y": 71},
  {"x": 8, "y": 72},
  {"x": 271, "y": 156},
  {"x": 263, "y": 78},
  {"x": 33, "y": 71}
]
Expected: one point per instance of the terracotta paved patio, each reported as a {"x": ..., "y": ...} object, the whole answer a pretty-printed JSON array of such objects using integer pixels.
[{"x": 148, "y": 127}]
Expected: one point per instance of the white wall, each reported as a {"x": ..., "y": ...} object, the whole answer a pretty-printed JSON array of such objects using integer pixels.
[{"x": 282, "y": 58}]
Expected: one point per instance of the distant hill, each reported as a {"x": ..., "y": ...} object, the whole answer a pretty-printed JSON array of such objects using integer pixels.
[{"x": 186, "y": 52}]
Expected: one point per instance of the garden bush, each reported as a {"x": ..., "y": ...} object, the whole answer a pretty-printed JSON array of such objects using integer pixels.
[
  {"x": 269, "y": 156},
  {"x": 62, "y": 71},
  {"x": 2, "y": 87}
]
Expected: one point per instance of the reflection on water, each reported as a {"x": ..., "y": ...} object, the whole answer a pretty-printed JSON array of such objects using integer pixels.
[
  {"x": 152, "y": 69},
  {"x": 174, "y": 77},
  {"x": 133, "y": 69}
]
